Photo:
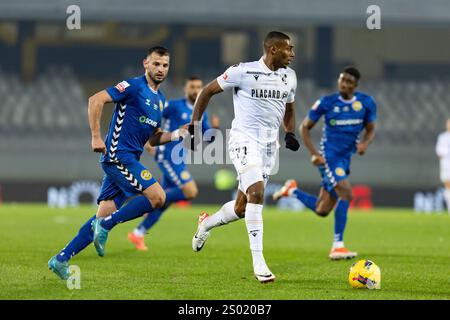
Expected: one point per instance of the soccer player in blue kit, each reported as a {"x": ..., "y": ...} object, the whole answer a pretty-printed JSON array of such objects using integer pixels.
[
  {"x": 346, "y": 114},
  {"x": 176, "y": 180},
  {"x": 136, "y": 120}
]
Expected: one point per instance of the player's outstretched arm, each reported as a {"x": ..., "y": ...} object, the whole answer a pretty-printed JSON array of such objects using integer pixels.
[
  {"x": 200, "y": 105},
  {"x": 289, "y": 126},
  {"x": 160, "y": 137},
  {"x": 151, "y": 150},
  {"x": 203, "y": 98},
  {"x": 305, "y": 128},
  {"x": 95, "y": 109},
  {"x": 367, "y": 138}
]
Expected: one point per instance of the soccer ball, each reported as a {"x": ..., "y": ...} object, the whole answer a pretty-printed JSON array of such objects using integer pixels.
[{"x": 365, "y": 274}]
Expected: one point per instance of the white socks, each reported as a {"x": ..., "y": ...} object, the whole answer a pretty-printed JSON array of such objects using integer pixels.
[
  {"x": 139, "y": 232},
  {"x": 338, "y": 244},
  {"x": 447, "y": 198},
  {"x": 254, "y": 223},
  {"x": 225, "y": 215}
]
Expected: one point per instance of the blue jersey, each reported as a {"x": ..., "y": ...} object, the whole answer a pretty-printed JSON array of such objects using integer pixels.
[
  {"x": 344, "y": 121},
  {"x": 137, "y": 115},
  {"x": 176, "y": 114}
]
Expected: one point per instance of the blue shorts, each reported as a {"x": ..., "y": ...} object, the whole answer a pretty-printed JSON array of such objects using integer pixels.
[
  {"x": 123, "y": 180},
  {"x": 175, "y": 175},
  {"x": 334, "y": 170}
]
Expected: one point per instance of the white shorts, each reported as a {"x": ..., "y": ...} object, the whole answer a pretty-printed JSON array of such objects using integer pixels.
[
  {"x": 253, "y": 161},
  {"x": 445, "y": 171}
]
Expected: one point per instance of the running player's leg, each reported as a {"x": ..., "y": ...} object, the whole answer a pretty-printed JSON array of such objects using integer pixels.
[
  {"x": 325, "y": 203},
  {"x": 321, "y": 205},
  {"x": 259, "y": 163},
  {"x": 178, "y": 185},
  {"x": 255, "y": 229},
  {"x": 174, "y": 193},
  {"x": 133, "y": 179},
  {"x": 85, "y": 234},
  {"x": 240, "y": 149},
  {"x": 344, "y": 190},
  {"x": 153, "y": 197},
  {"x": 150, "y": 219},
  {"x": 340, "y": 170},
  {"x": 229, "y": 212},
  {"x": 59, "y": 263}
]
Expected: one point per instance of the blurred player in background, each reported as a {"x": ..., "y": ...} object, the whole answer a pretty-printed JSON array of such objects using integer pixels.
[
  {"x": 176, "y": 181},
  {"x": 136, "y": 121},
  {"x": 263, "y": 98},
  {"x": 346, "y": 114},
  {"x": 443, "y": 152}
]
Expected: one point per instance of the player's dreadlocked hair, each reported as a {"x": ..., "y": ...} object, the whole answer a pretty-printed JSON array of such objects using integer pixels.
[
  {"x": 272, "y": 37},
  {"x": 353, "y": 71},
  {"x": 162, "y": 51}
]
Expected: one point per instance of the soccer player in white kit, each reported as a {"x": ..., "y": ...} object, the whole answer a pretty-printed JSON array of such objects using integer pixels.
[
  {"x": 263, "y": 98},
  {"x": 443, "y": 152}
]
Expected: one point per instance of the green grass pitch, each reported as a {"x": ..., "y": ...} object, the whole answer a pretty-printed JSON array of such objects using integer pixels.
[{"x": 413, "y": 252}]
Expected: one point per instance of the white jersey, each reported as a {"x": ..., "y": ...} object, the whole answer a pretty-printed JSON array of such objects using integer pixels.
[
  {"x": 259, "y": 97},
  {"x": 443, "y": 152}
]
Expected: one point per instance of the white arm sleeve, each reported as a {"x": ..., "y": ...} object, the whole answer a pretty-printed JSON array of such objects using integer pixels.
[
  {"x": 231, "y": 78},
  {"x": 441, "y": 146},
  {"x": 291, "y": 96}
]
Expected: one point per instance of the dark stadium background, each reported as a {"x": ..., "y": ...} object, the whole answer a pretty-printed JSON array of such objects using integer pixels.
[{"x": 47, "y": 73}]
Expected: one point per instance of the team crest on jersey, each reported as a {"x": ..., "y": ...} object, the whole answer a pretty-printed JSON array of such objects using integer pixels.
[
  {"x": 340, "y": 172},
  {"x": 121, "y": 86},
  {"x": 357, "y": 106},
  {"x": 284, "y": 78},
  {"x": 146, "y": 175},
  {"x": 185, "y": 175},
  {"x": 161, "y": 106}
]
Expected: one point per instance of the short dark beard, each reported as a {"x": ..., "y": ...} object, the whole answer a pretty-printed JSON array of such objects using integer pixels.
[
  {"x": 190, "y": 100},
  {"x": 156, "y": 81}
]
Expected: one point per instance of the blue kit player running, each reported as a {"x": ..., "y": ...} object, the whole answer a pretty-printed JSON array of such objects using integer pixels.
[
  {"x": 176, "y": 180},
  {"x": 346, "y": 114},
  {"x": 136, "y": 121}
]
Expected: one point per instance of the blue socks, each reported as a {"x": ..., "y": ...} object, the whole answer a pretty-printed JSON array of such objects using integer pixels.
[
  {"x": 81, "y": 241},
  {"x": 340, "y": 219},
  {"x": 133, "y": 209},
  {"x": 151, "y": 219},
  {"x": 340, "y": 212},
  {"x": 172, "y": 195},
  {"x": 307, "y": 199}
]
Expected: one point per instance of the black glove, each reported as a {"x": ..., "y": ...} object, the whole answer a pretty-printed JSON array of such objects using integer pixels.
[
  {"x": 193, "y": 140},
  {"x": 291, "y": 141}
]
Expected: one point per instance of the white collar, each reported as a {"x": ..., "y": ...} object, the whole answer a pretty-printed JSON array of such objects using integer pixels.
[
  {"x": 264, "y": 66},
  {"x": 155, "y": 92},
  {"x": 353, "y": 99},
  {"x": 148, "y": 85}
]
